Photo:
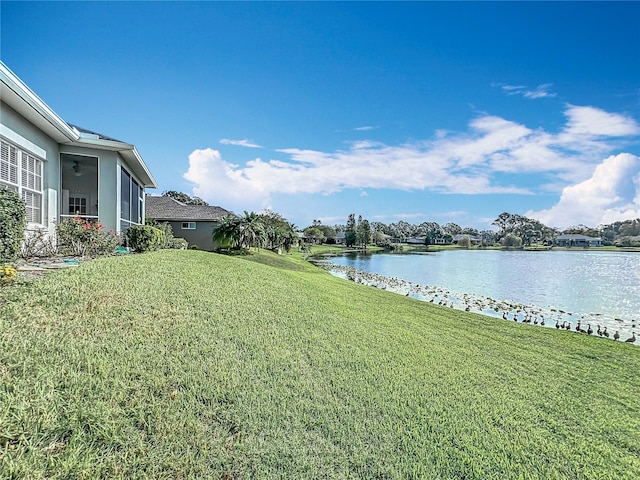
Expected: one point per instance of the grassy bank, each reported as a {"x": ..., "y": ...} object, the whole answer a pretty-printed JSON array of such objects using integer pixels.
[{"x": 184, "y": 364}]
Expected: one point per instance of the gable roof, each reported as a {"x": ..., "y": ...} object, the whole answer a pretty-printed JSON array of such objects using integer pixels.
[{"x": 167, "y": 208}]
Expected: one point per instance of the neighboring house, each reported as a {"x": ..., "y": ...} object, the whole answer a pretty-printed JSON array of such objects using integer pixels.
[
  {"x": 577, "y": 240},
  {"x": 194, "y": 223},
  {"x": 63, "y": 171},
  {"x": 473, "y": 239},
  {"x": 415, "y": 240}
]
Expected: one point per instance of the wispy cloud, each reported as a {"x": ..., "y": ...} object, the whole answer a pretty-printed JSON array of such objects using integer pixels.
[
  {"x": 488, "y": 157},
  {"x": 240, "y": 143},
  {"x": 364, "y": 129},
  {"x": 541, "y": 91}
]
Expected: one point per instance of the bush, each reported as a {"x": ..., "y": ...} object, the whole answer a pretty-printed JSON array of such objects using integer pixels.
[
  {"x": 628, "y": 241},
  {"x": 13, "y": 221},
  {"x": 511, "y": 240},
  {"x": 465, "y": 241},
  {"x": 179, "y": 243},
  {"x": 145, "y": 238},
  {"x": 79, "y": 237}
]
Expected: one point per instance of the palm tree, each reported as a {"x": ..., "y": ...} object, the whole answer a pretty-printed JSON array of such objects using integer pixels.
[
  {"x": 227, "y": 233},
  {"x": 251, "y": 231}
]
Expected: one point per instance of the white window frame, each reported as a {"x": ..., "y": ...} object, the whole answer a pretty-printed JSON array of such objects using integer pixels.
[
  {"x": 189, "y": 225},
  {"x": 28, "y": 178}
]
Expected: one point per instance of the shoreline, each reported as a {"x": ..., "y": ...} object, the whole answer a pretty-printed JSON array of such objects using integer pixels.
[{"x": 500, "y": 309}]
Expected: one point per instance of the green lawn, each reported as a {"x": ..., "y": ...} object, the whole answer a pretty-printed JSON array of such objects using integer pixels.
[{"x": 185, "y": 364}]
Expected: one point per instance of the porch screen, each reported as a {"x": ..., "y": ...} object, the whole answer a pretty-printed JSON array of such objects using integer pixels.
[
  {"x": 22, "y": 172},
  {"x": 131, "y": 195}
]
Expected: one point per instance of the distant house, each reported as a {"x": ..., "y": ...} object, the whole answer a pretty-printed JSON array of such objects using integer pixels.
[
  {"x": 474, "y": 240},
  {"x": 61, "y": 170},
  {"x": 577, "y": 240},
  {"x": 415, "y": 240},
  {"x": 194, "y": 223}
]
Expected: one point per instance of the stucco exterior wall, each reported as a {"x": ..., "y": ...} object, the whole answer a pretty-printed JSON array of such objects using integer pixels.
[
  {"x": 201, "y": 236},
  {"x": 17, "y": 130}
]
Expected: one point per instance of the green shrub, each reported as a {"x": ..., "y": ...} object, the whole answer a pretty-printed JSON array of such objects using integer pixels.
[
  {"x": 511, "y": 240},
  {"x": 166, "y": 228},
  {"x": 145, "y": 238},
  {"x": 79, "y": 237},
  {"x": 178, "y": 243},
  {"x": 13, "y": 221}
]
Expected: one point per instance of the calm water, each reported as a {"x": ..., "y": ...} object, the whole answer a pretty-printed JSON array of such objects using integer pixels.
[{"x": 601, "y": 285}]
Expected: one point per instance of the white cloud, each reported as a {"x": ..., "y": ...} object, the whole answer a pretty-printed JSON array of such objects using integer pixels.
[
  {"x": 222, "y": 183},
  {"x": 611, "y": 194},
  {"x": 594, "y": 122},
  {"x": 541, "y": 91},
  {"x": 240, "y": 143},
  {"x": 364, "y": 129},
  {"x": 481, "y": 160}
]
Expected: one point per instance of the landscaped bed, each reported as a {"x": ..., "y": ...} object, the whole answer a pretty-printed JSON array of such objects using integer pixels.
[{"x": 180, "y": 364}]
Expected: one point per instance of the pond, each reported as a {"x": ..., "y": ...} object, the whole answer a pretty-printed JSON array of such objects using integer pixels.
[{"x": 596, "y": 287}]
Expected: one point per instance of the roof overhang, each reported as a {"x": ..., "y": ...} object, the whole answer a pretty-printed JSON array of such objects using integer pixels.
[
  {"x": 23, "y": 100},
  {"x": 127, "y": 151},
  {"x": 15, "y": 93}
]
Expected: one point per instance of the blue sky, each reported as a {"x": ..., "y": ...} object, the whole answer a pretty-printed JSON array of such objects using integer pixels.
[{"x": 446, "y": 112}]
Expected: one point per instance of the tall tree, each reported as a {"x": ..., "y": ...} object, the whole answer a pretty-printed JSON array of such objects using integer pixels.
[
  {"x": 350, "y": 234},
  {"x": 363, "y": 232},
  {"x": 431, "y": 231},
  {"x": 452, "y": 228}
]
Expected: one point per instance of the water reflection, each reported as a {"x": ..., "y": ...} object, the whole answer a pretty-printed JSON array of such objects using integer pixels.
[{"x": 597, "y": 288}]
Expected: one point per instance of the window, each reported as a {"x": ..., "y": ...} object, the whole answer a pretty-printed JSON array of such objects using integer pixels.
[
  {"x": 131, "y": 198},
  {"x": 188, "y": 225},
  {"x": 77, "y": 206},
  {"x": 22, "y": 172}
]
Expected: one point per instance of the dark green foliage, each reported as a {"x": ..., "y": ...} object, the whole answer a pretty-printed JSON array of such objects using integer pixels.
[
  {"x": 145, "y": 238},
  {"x": 13, "y": 220},
  {"x": 169, "y": 239},
  {"x": 363, "y": 232},
  {"x": 267, "y": 230},
  {"x": 350, "y": 234}
]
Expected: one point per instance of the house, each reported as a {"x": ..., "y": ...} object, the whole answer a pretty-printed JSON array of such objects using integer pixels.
[
  {"x": 61, "y": 170},
  {"x": 194, "y": 223},
  {"x": 577, "y": 240},
  {"x": 473, "y": 239}
]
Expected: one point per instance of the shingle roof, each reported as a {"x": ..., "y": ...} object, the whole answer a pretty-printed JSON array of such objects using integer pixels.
[
  {"x": 167, "y": 208},
  {"x": 99, "y": 135}
]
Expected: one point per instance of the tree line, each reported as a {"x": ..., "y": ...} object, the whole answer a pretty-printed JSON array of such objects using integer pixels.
[{"x": 513, "y": 230}]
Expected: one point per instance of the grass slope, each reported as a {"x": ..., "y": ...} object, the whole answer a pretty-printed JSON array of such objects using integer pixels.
[{"x": 184, "y": 364}]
